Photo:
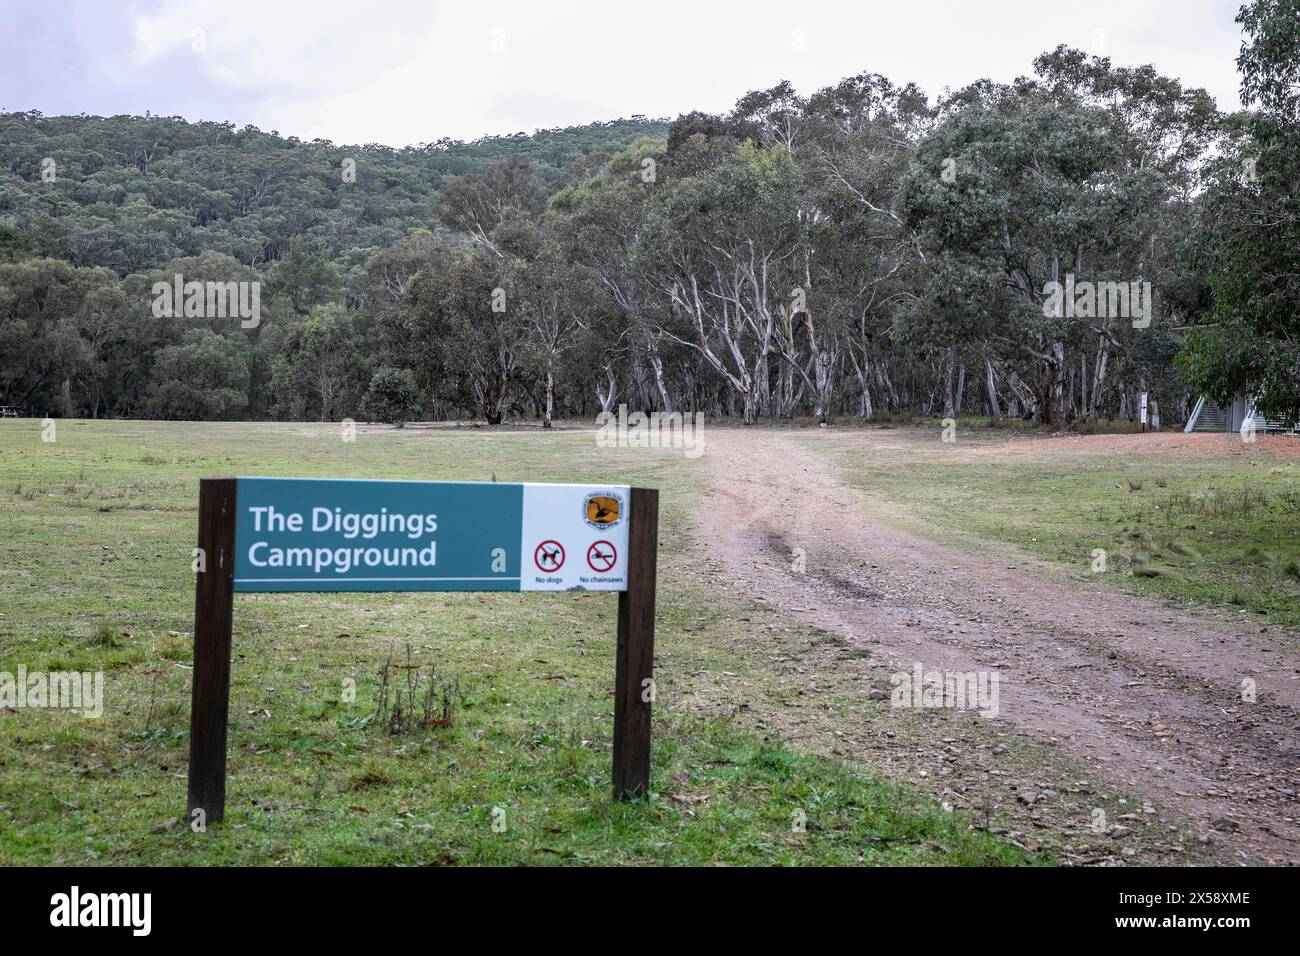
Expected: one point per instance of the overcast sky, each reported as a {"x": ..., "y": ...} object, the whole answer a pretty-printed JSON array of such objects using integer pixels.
[{"x": 402, "y": 72}]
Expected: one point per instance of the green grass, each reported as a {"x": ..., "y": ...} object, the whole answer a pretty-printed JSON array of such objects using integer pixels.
[
  {"x": 983, "y": 422},
  {"x": 95, "y": 538},
  {"x": 1210, "y": 531},
  {"x": 1100, "y": 426}
]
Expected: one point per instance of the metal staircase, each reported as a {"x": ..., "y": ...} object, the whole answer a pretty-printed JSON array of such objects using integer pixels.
[
  {"x": 1212, "y": 418},
  {"x": 1209, "y": 417}
]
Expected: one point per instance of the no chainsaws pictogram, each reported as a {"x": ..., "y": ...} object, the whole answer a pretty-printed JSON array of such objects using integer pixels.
[
  {"x": 601, "y": 556},
  {"x": 549, "y": 556}
]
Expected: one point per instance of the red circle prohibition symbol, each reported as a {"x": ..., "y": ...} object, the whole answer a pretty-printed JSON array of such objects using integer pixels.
[
  {"x": 601, "y": 556},
  {"x": 549, "y": 556}
]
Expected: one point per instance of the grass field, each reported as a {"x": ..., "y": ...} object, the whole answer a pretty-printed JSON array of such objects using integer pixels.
[
  {"x": 95, "y": 536},
  {"x": 1209, "y": 530}
]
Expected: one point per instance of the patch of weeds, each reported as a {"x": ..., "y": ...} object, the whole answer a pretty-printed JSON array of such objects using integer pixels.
[
  {"x": 410, "y": 701},
  {"x": 371, "y": 776},
  {"x": 105, "y": 636},
  {"x": 1145, "y": 570},
  {"x": 175, "y": 649}
]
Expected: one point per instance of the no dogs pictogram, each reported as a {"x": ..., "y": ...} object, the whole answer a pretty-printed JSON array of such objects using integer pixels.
[
  {"x": 601, "y": 556},
  {"x": 549, "y": 556}
]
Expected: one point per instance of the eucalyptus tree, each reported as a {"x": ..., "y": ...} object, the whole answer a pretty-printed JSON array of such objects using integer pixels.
[
  {"x": 862, "y": 261},
  {"x": 204, "y": 377},
  {"x": 1162, "y": 131},
  {"x": 1251, "y": 228},
  {"x": 557, "y": 299},
  {"x": 319, "y": 370},
  {"x": 305, "y": 277},
  {"x": 382, "y": 291},
  {"x": 1024, "y": 187},
  {"x": 721, "y": 243},
  {"x": 466, "y": 322},
  {"x": 600, "y": 222},
  {"x": 57, "y": 325},
  {"x": 806, "y": 360},
  {"x": 477, "y": 203}
]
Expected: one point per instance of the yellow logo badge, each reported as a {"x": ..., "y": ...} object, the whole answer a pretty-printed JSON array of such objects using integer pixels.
[{"x": 603, "y": 511}]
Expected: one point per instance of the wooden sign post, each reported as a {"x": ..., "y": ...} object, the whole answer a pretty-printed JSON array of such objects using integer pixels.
[
  {"x": 214, "y": 607},
  {"x": 634, "y": 664},
  {"x": 300, "y": 534}
]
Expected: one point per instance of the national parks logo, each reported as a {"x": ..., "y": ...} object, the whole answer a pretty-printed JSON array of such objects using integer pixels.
[{"x": 603, "y": 511}]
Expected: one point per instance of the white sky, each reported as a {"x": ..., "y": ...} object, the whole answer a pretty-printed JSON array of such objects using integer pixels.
[{"x": 402, "y": 71}]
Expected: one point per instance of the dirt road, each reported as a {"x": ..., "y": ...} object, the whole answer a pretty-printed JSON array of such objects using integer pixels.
[{"x": 1145, "y": 696}]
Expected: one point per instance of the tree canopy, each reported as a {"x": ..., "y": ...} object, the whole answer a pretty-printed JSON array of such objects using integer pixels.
[{"x": 1041, "y": 248}]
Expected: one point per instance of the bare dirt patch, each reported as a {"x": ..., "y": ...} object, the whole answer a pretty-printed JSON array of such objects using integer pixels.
[
  {"x": 1144, "y": 697},
  {"x": 1194, "y": 445}
]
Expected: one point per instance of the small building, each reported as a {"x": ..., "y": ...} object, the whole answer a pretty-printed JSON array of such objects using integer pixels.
[{"x": 1208, "y": 416}]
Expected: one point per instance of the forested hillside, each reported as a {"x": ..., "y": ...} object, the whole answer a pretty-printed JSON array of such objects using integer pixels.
[
  {"x": 1036, "y": 249},
  {"x": 130, "y": 193}
]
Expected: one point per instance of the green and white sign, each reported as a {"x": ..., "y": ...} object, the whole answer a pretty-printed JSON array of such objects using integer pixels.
[{"x": 312, "y": 534}]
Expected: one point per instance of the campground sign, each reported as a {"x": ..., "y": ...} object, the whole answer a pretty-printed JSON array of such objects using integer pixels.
[
  {"x": 306, "y": 534},
  {"x": 314, "y": 534}
]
